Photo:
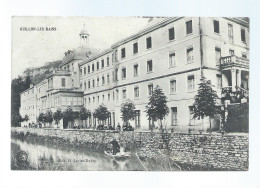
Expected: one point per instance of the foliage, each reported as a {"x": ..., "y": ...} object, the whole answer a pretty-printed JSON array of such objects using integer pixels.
[
  {"x": 101, "y": 113},
  {"x": 84, "y": 113},
  {"x": 238, "y": 118},
  {"x": 26, "y": 118},
  {"x": 69, "y": 114},
  {"x": 39, "y": 73},
  {"x": 41, "y": 118},
  {"x": 235, "y": 96},
  {"x": 127, "y": 110},
  {"x": 205, "y": 100},
  {"x": 157, "y": 107},
  {"x": 57, "y": 116},
  {"x": 48, "y": 117},
  {"x": 18, "y": 85}
]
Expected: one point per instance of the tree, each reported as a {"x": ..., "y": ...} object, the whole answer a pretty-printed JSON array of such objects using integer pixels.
[
  {"x": 237, "y": 118},
  {"x": 49, "y": 117},
  {"x": 157, "y": 107},
  {"x": 69, "y": 115},
  {"x": 127, "y": 111},
  {"x": 18, "y": 85},
  {"x": 26, "y": 118},
  {"x": 16, "y": 117},
  {"x": 205, "y": 101},
  {"x": 57, "y": 116},
  {"x": 28, "y": 81},
  {"x": 41, "y": 118},
  {"x": 84, "y": 113},
  {"x": 101, "y": 113}
]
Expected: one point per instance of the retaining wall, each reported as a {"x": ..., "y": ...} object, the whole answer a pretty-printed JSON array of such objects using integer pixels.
[{"x": 213, "y": 151}]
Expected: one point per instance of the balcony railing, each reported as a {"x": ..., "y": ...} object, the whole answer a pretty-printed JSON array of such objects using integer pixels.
[
  {"x": 59, "y": 72},
  {"x": 231, "y": 61}
]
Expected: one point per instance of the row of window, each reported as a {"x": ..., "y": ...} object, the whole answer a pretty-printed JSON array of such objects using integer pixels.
[
  {"x": 172, "y": 62},
  {"x": 173, "y": 89},
  {"x": 171, "y": 35},
  {"x": 28, "y": 92},
  {"x": 174, "y": 115},
  {"x": 230, "y": 31},
  {"x": 135, "y": 49},
  {"x": 68, "y": 67},
  {"x": 28, "y": 107},
  {"x": 231, "y": 53},
  {"x": 62, "y": 101},
  {"x": 137, "y": 123},
  {"x": 92, "y": 68}
]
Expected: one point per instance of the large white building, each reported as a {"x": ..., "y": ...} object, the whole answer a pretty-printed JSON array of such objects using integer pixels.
[{"x": 173, "y": 53}]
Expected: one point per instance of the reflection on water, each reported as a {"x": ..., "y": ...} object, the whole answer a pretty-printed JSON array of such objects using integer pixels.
[{"x": 38, "y": 156}]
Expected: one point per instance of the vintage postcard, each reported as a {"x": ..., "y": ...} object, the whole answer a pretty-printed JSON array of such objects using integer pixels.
[{"x": 130, "y": 93}]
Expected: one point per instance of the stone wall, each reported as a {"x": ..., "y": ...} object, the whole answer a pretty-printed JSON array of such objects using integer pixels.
[
  {"x": 220, "y": 152},
  {"x": 210, "y": 151}
]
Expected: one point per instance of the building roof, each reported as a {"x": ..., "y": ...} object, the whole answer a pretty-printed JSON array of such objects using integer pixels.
[
  {"x": 152, "y": 25},
  {"x": 244, "y": 21},
  {"x": 80, "y": 53},
  {"x": 83, "y": 32},
  {"x": 96, "y": 56}
]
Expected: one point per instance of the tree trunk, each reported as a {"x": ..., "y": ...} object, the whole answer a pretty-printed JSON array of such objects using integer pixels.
[
  {"x": 210, "y": 123},
  {"x": 202, "y": 125}
]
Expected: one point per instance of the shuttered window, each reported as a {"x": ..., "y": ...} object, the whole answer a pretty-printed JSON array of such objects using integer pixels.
[
  {"x": 149, "y": 42},
  {"x": 243, "y": 35},
  {"x": 189, "y": 27},
  {"x": 216, "y": 26},
  {"x": 171, "y": 34}
]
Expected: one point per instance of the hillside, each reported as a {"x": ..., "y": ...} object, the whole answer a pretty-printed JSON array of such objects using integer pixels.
[{"x": 38, "y": 74}]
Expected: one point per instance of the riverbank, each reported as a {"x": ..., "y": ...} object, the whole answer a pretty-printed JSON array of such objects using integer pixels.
[{"x": 189, "y": 151}]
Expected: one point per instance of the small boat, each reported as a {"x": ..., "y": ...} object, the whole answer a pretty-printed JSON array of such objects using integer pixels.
[{"x": 118, "y": 156}]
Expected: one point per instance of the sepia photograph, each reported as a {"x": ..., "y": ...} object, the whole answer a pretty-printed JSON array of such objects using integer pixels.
[{"x": 130, "y": 93}]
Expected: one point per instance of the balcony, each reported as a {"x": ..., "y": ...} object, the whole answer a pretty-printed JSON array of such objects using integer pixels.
[
  {"x": 233, "y": 61},
  {"x": 59, "y": 72}
]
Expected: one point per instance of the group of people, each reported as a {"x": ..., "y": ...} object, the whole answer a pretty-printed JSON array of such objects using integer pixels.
[{"x": 125, "y": 127}]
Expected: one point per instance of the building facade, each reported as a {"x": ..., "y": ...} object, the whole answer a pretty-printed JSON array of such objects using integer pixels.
[{"x": 173, "y": 53}]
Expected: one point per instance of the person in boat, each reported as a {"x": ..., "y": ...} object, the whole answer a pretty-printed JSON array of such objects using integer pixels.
[{"x": 116, "y": 147}]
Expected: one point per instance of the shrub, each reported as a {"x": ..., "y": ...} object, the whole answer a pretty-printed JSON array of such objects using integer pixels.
[{"x": 238, "y": 118}]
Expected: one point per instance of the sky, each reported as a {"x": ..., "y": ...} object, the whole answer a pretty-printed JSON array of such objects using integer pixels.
[{"x": 34, "y": 48}]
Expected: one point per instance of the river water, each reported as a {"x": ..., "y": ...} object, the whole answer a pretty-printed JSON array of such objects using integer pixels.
[{"x": 31, "y": 155}]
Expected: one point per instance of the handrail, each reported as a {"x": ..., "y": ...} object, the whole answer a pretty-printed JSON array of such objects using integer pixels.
[{"x": 233, "y": 59}]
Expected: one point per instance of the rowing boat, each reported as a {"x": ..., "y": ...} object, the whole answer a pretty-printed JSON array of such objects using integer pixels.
[{"x": 118, "y": 156}]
